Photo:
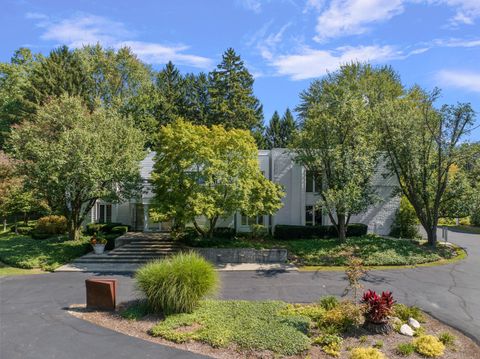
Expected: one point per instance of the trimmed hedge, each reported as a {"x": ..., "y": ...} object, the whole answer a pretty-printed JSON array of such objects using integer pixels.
[
  {"x": 93, "y": 228},
  {"x": 224, "y": 232},
  {"x": 286, "y": 232}
]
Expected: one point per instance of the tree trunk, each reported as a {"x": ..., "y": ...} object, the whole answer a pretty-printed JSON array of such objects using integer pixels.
[
  {"x": 432, "y": 235},
  {"x": 341, "y": 227},
  {"x": 73, "y": 227},
  {"x": 4, "y": 224},
  {"x": 199, "y": 230},
  {"x": 211, "y": 229}
]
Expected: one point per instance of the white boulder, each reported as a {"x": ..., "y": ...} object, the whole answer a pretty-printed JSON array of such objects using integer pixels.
[
  {"x": 413, "y": 323},
  {"x": 405, "y": 329}
]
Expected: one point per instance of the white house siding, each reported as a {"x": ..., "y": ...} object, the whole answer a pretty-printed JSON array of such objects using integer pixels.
[{"x": 278, "y": 166}]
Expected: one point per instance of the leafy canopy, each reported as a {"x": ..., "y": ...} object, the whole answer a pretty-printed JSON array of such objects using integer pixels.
[{"x": 209, "y": 172}]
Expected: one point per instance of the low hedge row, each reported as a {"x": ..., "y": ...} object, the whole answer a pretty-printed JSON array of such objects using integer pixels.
[
  {"x": 286, "y": 232},
  {"x": 117, "y": 228}
]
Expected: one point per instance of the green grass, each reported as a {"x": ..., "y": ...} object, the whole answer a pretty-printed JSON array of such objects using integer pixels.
[
  {"x": 372, "y": 249},
  {"x": 27, "y": 253},
  {"x": 465, "y": 229},
  {"x": 6, "y": 270},
  {"x": 248, "y": 325}
]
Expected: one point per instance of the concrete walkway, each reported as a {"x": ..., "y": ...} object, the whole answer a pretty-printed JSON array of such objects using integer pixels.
[{"x": 34, "y": 324}]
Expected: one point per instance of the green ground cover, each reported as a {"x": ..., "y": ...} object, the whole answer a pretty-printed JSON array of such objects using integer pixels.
[
  {"x": 22, "y": 251},
  {"x": 373, "y": 250}
]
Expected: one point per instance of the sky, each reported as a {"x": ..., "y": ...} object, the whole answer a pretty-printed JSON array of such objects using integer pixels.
[{"x": 285, "y": 43}]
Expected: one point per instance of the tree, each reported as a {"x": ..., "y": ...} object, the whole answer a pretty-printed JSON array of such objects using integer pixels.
[
  {"x": 72, "y": 157},
  {"x": 232, "y": 101},
  {"x": 421, "y": 147},
  {"x": 336, "y": 141},
  {"x": 288, "y": 127},
  {"x": 272, "y": 133},
  {"x": 210, "y": 173}
]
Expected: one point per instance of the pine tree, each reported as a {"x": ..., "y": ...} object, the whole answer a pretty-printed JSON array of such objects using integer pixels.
[
  {"x": 232, "y": 101},
  {"x": 287, "y": 129},
  {"x": 170, "y": 85},
  {"x": 273, "y": 132}
]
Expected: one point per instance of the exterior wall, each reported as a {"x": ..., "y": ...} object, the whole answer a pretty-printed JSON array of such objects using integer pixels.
[{"x": 278, "y": 166}]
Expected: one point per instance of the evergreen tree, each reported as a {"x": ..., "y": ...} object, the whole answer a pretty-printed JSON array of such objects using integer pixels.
[
  {"x": 197, "y": 99},
  {"x": 232, "y": 101},
  {"x": 273, "y": 132},
  {"x": 287, "y": 129}
]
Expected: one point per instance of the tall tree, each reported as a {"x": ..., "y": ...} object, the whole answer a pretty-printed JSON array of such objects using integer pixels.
[
  {"x": 73, "y": 157},
  {"x": 288, "y": 127},
  {"x": 336, "y": 141},
  {"x": 210, "y": 173},
  {"x": 232, "y": 101},
  {"x": 421, "y": 145},
  {"x": 273, "y": 132}
]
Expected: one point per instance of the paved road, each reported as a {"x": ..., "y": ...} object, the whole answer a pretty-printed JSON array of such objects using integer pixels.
[{"x": 33, "y": 323}]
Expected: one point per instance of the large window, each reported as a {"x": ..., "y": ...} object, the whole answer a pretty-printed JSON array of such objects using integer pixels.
[
  {"x": 105, "y": 213},
  {"x": 313, "y": 183},
  {"x": 248, "y": 221},
  {"x": 313, "y": 216}
]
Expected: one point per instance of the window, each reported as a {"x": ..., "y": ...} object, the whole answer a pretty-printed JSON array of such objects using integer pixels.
[
  {"x": 105, "y": 213},
  {"x": 313, "y": 183},
  {"x": 313, "y": 216},
  {"x": 248, "y": 221}
]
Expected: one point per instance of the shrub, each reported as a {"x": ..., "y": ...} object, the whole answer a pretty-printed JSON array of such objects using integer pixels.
[
  {"x": 405, "y": 349},
  {"x": 405, "y": 312},
  {"x": 354, "y": 272},
  {"x": 119, "y": 230},
  {"x": 405, "y": 224},
  {"x": 366, "y": 353},
  {"x": 329, "y": 302},
  {"x": 287, "y": 232},
  {"x": 429, "y": 346},
  {"x": 135, "y": 311},
  {"x": 314, "y": 312},
  {"x": 447, "y": 339},
  {"x": 378, "y": 344},
  {"x": 92, "y": 228},
  {"x": 378, "y": 307},
  {"x": 331, "y": 344},
  {"x": 51, "y": 225},
  {"x": 24, "y": 230},
  {"x": 176, "y": 284},
  {"x": 259, "y": 231},
  {"x": 345, "y": 316},
  {"x": 223, "y": 232}
]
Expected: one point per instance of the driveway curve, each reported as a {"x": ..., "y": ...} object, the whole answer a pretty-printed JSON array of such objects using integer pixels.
[{"x": 34, "y": 324}]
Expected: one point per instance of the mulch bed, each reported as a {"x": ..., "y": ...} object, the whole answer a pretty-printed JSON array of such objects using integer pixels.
[{"x": 464, "y": 348}]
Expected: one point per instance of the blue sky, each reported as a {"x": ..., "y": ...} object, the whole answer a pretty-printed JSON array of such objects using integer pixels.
[{"x": 285, "y": 43}]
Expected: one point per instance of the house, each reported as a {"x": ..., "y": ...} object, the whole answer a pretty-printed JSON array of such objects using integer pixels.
[{"x": 298, "y": 209}]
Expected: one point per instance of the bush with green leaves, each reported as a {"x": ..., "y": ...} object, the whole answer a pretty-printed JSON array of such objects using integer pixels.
[
  {"x": 331, "y": 344},
  {"x": 405, "y": 349},
  {"x": 177, "y": 284},
  {"x": 447, "y": 339},
  {"x": 366, "y": 353},
  {"x": 404, "y": 312},
  {"x": 405, "y": 224},
  {"x": 329, "y": 302},
  {"x": 52, "y": 225}
]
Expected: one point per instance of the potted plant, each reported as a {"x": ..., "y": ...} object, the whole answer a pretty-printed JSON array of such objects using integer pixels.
[
  {"x": 98, "y": 244},
  {"x": 377, "y": 311}
]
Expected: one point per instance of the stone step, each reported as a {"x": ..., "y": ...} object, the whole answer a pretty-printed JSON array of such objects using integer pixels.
[
  {"x": 117, "y": 261},
  {"x": 146, "y": 250}
]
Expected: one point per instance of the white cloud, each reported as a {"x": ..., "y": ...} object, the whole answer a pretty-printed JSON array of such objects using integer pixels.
[
  {"x": 352, "y": 17},
  {"x": 86, "y": 29},
  {"x": 312, "y": 63},
  {"x": 466, "y": 10},
  {"x": 461, "y": 79},
  {"x": 455, "y": 42},
  {"x": 252, "y": 5}
]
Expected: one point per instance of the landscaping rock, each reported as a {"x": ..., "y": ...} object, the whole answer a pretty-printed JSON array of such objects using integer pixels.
[
  {"x": 413, "y": 323},
  {"x": 405, "y": 329}
]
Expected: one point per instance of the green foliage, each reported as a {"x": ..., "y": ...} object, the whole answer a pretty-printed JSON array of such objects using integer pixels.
[
  {"x": 405, "y": 349},
  {"x": 328, "y": 302},
  {"x": 342, "y": 318},
  {"x": 337, "y": 140},
  {"x": 52, "y": 225},
  {"x": 447, "y": 339},
  {"x": 249, "y": 325},
  {"x": 283, "y": 231},
  {"x": 280, "y": 131},
  {"x": 259, "y": 231},
  {"x": 331, "y": 344},
  {"x": 405, "y": 312},
  {"x": 423, "y": 164},
  {"x": 73, "y": 161},
  {"x": 406, "y": 221},
  {"x": 209, "y": 172},
  {"x": 136, "y": 311},
  {"x": 378, "y": 344},
  {"x": 312, "y": 311},
  {"x": 429, "y": 346},
  {"x": 366, "y": 353},
  {"x": 176, "y": 284},
  {"x": 48, "y": 254}
]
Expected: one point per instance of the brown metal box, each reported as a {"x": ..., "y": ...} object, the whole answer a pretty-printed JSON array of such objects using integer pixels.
[{"x": 101, "y": 293}]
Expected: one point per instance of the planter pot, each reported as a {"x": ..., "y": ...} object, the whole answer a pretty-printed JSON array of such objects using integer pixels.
[
  {"x": 378, "y": 328},
  {"x": 99, "y": 248}
]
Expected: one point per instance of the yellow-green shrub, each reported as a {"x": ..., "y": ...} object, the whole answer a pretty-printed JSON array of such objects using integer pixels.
[
  {"x": 366, "y": 353},
  {"x": 312, "y": 311},
  {"x": 51, "y": 225},
  {"x": 343, "y": 317},
  {"x": 429, "y": 346},
  {"x": 331, "y": 344}
]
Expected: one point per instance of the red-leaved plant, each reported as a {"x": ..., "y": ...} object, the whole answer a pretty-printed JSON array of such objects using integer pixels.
[{"x": 378, "y": 307}]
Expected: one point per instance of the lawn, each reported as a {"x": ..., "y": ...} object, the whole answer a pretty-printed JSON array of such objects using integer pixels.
[
  {"x": 7, "y": 270},
  {"x": 465, "y": 229},
  {"x": 25, "y": 252},
  {"x": 373, "y": 250}
]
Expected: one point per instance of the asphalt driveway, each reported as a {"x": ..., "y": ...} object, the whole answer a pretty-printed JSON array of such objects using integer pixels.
[{"x": 34, "y": 324}]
